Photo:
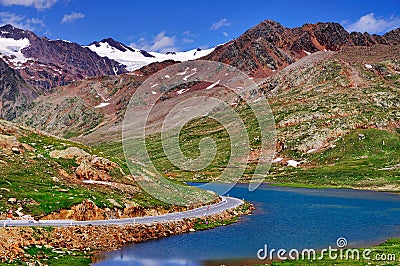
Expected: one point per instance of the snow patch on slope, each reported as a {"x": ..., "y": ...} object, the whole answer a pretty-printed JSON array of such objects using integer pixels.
[
  {"x": 183, "y": 56},
  {"x": 11, "y": 47},
  {"x": 292, "y": 163},
  {"x": 213, "y": 85},
  {"x": 101, "y": 105}
]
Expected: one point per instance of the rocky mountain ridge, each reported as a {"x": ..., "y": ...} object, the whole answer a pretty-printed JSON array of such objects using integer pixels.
[
  {"x": 269, "y": 46},
  {"x": 49, "y": 63},
  {"x": 15, "y": 93}
]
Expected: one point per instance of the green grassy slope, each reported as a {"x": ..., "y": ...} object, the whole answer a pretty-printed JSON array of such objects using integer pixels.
[
  {"x": 339, "y": 118},
  {"x": 364, "y": 158},
  {"x": 40, "y": 184}
]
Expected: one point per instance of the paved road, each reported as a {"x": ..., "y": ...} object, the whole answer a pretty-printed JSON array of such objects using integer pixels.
[{"x": 225, "y": 204}]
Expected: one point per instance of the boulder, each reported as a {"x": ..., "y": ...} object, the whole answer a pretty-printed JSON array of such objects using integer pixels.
[
  {"x": 69, "y": 153},
  {"x": 10, "y": 144},
  {"x": 91, "y": 167},
  {"x": 12, "y": 200},
  {"x": 95, "y": 168}
]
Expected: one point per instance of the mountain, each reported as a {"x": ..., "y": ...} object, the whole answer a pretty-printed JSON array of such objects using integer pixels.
[
  {"x": 90, "y": 105},
  {"x": 269, "y": 46},
  {"x": 336, "y": 115},
  {"x": 262, "y": 51},
  {"x": 334, "y": 96},
  {"x": 15, "y": 93},
  {"x": 32, "y": 65},
  {"x": 135, "y": 58},
  {"x": 49, "y": 63},
  {"x": 93, "y": 109}
]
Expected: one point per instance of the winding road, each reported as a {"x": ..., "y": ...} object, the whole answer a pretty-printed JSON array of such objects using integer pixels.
[{"x": 225, "y": 204}]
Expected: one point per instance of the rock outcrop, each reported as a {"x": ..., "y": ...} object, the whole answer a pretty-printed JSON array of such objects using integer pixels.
[
  {"x": 91, "y": 167},
  {"x": 10, "y": 144},
  {"x": 69, "y": 153}
]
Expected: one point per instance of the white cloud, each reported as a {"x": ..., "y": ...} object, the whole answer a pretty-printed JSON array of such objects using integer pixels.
[
  {"x": 188, "y": 33},
  {"x": 188, "y": 37},
  {"x": 187, "y": 40},
  {"x": 36, "y": 21},
  {"x": 372, "y": 24},
  {"x": 161, "y": 43},
  {"x": 72, "y": 17},
  {"x": 38, "y": 4},
  {"x": 11, "y": 18},
  {"x": 220, "y": 23},
  {"x": 225, "y": 33},
  {"x": 20, "y": 21}
]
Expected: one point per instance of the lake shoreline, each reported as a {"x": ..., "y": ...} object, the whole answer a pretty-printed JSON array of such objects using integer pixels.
[
  {"x": 91, "y": 241},
  {"x": 385, "y": 188}
]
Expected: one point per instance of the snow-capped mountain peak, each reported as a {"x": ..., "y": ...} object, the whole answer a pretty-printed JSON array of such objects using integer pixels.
[
  {"x": 42, "y": 62},
  {"x": 135, "y": 58},
  {"x": 112, "y": 44}
]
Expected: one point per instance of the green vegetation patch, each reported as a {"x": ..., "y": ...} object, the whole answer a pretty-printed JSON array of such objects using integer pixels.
[
  {"x": 363, "y": 158},
  {"x": 42, "y": 255}
]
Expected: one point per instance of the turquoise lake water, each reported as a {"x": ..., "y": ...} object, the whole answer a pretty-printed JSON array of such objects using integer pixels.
[{"x": 285, "y": 218}]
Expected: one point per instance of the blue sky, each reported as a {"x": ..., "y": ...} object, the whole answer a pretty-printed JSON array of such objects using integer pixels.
[{"x": 182, "y": 25}]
